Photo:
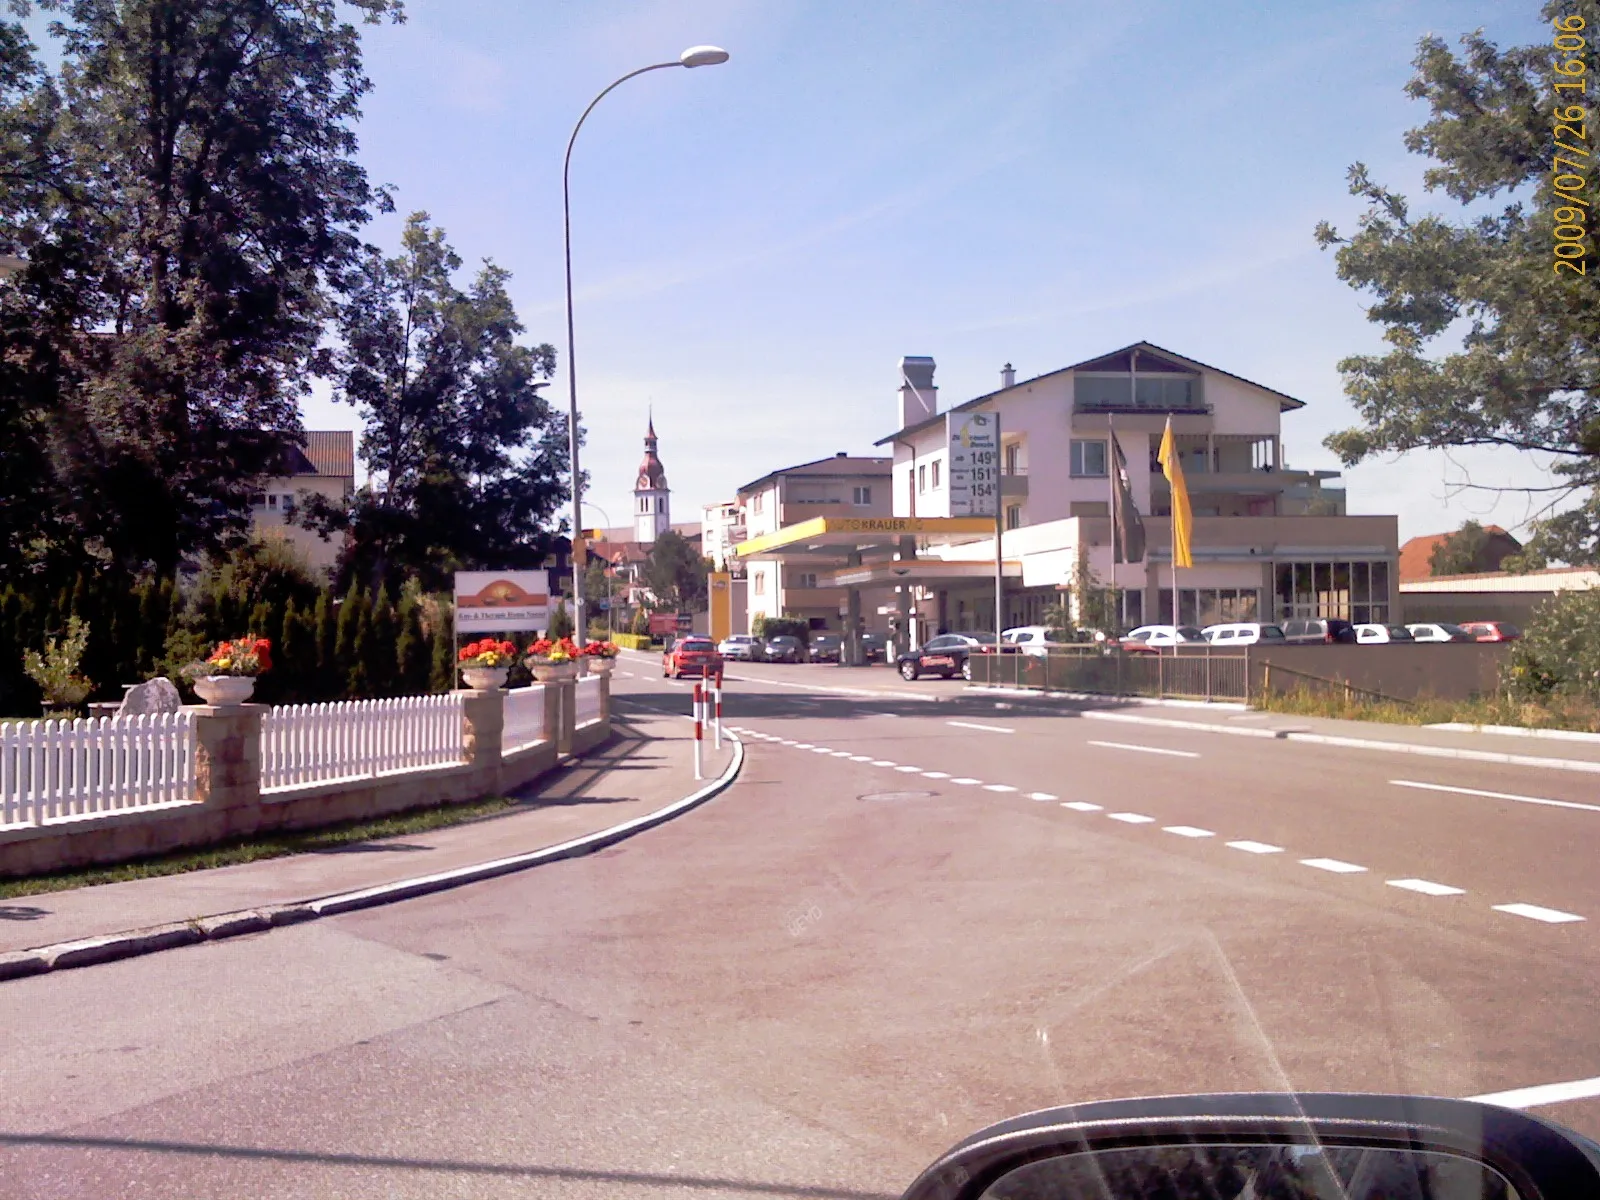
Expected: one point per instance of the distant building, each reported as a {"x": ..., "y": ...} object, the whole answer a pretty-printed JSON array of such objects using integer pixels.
[
  {"x": 652, "y": 498},
  {"x": 1416, "y": 556},
  {"x": 1492, "y": 595},
  {"x": 326, "y": 467},
  {"x": 723, "y": 528}
]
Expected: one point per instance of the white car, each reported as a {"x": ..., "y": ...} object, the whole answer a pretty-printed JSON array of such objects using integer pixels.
[
  {"x": 1242, "y": 633},
  {"x": 1377, "y": 635},
  {"x": 1439, "y": 631},
  {"x": 1154, "y": 638},
  {"x": 1034, "y": 639},
  {"x": 740, "y": 646}
]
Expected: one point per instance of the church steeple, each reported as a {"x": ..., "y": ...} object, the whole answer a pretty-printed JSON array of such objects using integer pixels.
[{"x": 652, "y": 498}]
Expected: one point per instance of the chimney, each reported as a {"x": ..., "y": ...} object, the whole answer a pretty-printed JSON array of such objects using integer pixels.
[
  {"x": 919, "y": 399},
  {"x": 841, "y": 454},
  {"x": 1008, "y": 376}
]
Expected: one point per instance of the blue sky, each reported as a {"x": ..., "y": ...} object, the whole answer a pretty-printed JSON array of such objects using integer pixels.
[{"x": 757, "y": 244}]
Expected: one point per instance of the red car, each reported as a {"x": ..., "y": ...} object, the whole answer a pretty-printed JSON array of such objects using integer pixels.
[
  {"x": 691, "y": 655},
  {"x": 1492, "y": 631}
]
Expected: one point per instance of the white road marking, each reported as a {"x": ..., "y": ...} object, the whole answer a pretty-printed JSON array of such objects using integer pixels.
[
  {"x": 626, "y": 674},
  {"x": 998, "y": 787},
  {"x": 878, "y": 714},
  {"x": 1080, "y": 806},
  {"x": 799, "y": 745},
  {"x": 910, "y": 770},
  {"x": 1464, "y": 791},
  {"x": 937, "y": 774},
  {"x": 1337, "y": 866},
  {"x": 1545, "y": 1093},
  {"x": 882, "y": 762},
  {"x": 1427, "y": 887},
  {"x": 1042, "y": 796},
  {"x": 965, "y": 779},
  {"x": 1550, "y": 916},
  {"x": 985, "y": 728},
  {"x": 861, "y": 758},
  {"x": 1132, "y": 818},
  {"x": 1188, "y": 831},
  {"x": 1146, "y": 749},
  {"x": 822, "y": 749},
  {"x": 841, "y": 754},
  {"x": 788, "y": 742},
  {"x": 1256, "y": 847}
]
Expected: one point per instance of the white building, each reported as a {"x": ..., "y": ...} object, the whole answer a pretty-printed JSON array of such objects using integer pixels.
[{"x": 327, "y": 468}]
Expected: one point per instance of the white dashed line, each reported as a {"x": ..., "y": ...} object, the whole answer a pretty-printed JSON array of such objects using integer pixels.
[
  {"x": 1188, "y": 831},
  {"x": 1042, "y": 796},
  {"x": 998, "y": 787},
  {"x": 1080, "y": 806},
  {"x": 910, "y": 770},
  {"x": 799, "y": 745},
  {"x": 1256, "y": 847},
  {"x": 1427, "y": 887},
  {"x": 1465, "y": 791},
  {"x": 966, "y": 779},
  {"x": 882, "y": 762},
  {"x": 841, "y": 754},
  {"x": 1550, "y": 916},
  {"x": 1146, "y": 749},
  {"x": 936, "y": 774},
  {"x": 1337, "y": 866},
  {"x": 1132, "y": 818},
  {"x": 822, "y": 749},
  {"x": 985, "y": 728}
]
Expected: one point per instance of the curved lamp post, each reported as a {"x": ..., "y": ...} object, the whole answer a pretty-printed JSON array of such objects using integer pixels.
[{"x": 694, "y": 56}]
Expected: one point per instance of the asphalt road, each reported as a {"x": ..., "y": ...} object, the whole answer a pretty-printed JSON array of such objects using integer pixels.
[{"x": 905, "y": 921}]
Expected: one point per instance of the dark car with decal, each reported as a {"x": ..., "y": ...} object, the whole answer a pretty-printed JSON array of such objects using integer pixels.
[{"x": 947, "y": 655}]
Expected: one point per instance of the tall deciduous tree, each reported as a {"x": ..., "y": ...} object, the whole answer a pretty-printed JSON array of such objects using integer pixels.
[
  {"x": 676, "y": 573},
  {"x": 1461, "y": 552},
  {"x": 1527, "y": 373},
  {"x": 466, "y": 457},
  {"x": 189, "y": 197}
]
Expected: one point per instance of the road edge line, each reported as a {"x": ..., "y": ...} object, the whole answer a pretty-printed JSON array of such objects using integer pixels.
[{"x": 135, "y": 943}]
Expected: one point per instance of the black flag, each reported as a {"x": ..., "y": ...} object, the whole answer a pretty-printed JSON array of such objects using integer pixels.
[{"x": 1127, "y": 534}]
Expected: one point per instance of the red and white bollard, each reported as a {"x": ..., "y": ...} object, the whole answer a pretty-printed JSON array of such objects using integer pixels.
[
  {"x": 716, "y": 702},
  {"x": 699, "y": 727}
]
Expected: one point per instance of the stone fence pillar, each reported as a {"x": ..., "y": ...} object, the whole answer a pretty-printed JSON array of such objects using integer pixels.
[
  {"x": 483, "y": 723},
  {"x": 227, "y": 763},
  {"x": 561, "y": 713}
]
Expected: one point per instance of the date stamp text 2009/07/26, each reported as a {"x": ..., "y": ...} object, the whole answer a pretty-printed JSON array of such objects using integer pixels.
[{"x": 1572, "y": 157}]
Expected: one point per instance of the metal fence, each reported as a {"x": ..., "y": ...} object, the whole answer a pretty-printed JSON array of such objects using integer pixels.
[
  {"x": 356, "y": 739},
  {"x": 588, "y": 701},
  {"x": 1191, "y": 675},
  {"x": 524, "y": 718},
  {"x": 60, "y": 770}
]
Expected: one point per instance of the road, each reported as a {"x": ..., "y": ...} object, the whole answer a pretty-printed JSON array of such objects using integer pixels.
[{"x": 907, "y": 919}]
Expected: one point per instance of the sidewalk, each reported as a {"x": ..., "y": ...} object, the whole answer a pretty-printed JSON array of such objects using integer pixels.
[{"x": 645, "y": 767}]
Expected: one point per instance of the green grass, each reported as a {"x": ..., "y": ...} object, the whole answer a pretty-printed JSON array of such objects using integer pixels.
[
  {"x": 254, "y": 849},
  {"x": 1553, "y": 713}
]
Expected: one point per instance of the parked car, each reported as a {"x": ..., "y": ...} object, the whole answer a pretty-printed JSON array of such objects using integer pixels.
[
  {"x": 1439, "y": 631},
  {"x": 946, "y": 655},
  {"x": 875, "y": 647},
  {"x": 826, "y": 647},
  {"x": 1152, "y": 639},
  {"x": 1032, "y": 639},
  {"x": 1368, "y": 634},
  {"x": 691, "y": 655},
  {"x": 1314, "y": 630},
  {"x": 784, "y": 648},
  {"x": 1492, "y": 631},
  {"x": 1242, "y": 633},
  {"x": 740, "y": 647}
]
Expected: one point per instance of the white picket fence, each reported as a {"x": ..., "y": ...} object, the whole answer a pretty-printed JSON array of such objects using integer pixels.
[
  {"x": 588, "y": 700},
  {"x": 524, "y": 722},
  {"x": 357, "y": 739},
  {"x": 62, "y": 770}
]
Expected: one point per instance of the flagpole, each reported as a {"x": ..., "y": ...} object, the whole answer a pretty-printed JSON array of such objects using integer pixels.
[{"x": 1113, "y": 478}]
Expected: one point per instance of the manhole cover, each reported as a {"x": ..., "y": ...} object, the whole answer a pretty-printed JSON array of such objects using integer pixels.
[{"x": 896, "y": 795}]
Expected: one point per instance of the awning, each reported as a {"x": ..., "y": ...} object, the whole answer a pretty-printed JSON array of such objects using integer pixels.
[
  {"x": 835, "y": 537},
  {"x": 923, "y": 572}
]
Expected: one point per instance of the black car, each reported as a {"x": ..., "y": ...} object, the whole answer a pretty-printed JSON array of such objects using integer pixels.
[
  {"x": 826, "y": 647},
  {"x": 874, "y": 647},
  {"x": 1318, "y": 631},
  {"x": 944, "y": 655},
  {"x": 784, "y": 648}
]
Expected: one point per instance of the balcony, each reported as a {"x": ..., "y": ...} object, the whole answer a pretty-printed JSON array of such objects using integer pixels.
[{"x": 1014, "y": 483}]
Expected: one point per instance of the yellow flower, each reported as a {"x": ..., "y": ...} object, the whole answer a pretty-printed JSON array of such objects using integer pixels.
[{"x": 224, "y": 663}]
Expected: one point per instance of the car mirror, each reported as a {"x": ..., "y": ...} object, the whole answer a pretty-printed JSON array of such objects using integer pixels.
[{"x": 1269, "y": 1147}]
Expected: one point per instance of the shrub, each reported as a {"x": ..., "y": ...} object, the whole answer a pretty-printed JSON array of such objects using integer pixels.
[
  {"x": 1559, "y": 655},
  {"x": 56, "y": 670}
]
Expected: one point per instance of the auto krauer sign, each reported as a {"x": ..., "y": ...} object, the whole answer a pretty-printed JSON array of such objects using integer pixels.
[{"x": 509, "y": 601}]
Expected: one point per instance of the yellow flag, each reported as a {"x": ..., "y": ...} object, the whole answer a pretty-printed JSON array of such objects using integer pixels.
[{"x": 1182, "y": 518}]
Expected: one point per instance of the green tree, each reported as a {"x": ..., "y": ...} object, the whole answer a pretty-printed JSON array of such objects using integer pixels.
[
  {"x": 676, "y": 573},
  {"x": 322, "y": 653},
  {"x": 560, "y": 621},
  {"x": 1460, "y": 553},
  {"x": 186, "y": 210},
  {"x": 1559, "y": 653},
  {"x": 467, "y": 459},
  {"x": 1527, "y": 372},
  {"x": 412, "y": 650},
  {"x": 442, "y": 664},
  {"x": 359, "y": 682}
]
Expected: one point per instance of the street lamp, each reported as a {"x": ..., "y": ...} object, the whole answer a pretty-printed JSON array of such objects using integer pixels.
[{"x": 694, "y": 56}]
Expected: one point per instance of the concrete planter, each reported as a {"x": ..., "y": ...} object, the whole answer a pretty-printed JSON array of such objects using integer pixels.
[
  {"x": 552, "y": 672},
  {"x": 223, "y": 690},
  {"x": 599, "y": 666},
  {"x": 485, "y": 679}
]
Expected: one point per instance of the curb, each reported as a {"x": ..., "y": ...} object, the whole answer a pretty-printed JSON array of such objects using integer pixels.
[{"x": 134, "y": 943}]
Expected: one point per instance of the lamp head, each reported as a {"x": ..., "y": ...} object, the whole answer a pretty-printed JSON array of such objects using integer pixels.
[{"x": 703, "y": 56}]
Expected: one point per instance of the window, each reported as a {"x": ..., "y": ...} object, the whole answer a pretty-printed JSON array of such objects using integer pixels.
[
  {"x": 272, "y": 499},
  {"x": 1155, "y": 393},
  {"x": 922, "y": 478},
  {"x": 1014, "y": 458},
  {"x": 861, "y": 496},
  {"x": 258, "y": 499},
  {"x": 760, "y": 578},
  {"x": 1088, "y": 458},
  {"x": 1348, "y": 591},
  {"x": 1090, "y": 508},
  {"x": 806, "y": 579},
  {"x": 760, "y": 503},
  {"x": 1013, "y": 516},
  {"x": 935, "y": 473},
  {"x": 1210, "y": 606}
]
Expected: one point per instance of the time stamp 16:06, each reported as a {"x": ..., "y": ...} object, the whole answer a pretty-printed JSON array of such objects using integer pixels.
[{"x": 1572, "y": 158}]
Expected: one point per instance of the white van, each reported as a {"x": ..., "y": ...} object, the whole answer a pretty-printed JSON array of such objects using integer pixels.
[{"x": 1242, "y": 633}]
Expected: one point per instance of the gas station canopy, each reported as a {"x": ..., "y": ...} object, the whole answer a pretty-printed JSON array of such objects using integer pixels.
[{"x": 836, "y": 537}]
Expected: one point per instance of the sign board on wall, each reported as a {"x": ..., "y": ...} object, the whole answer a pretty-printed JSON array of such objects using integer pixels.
[
  {"x": 974, "y": 463},
  {"x": 495, "y": 601},
  {"x": 663, "y": 623}
]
